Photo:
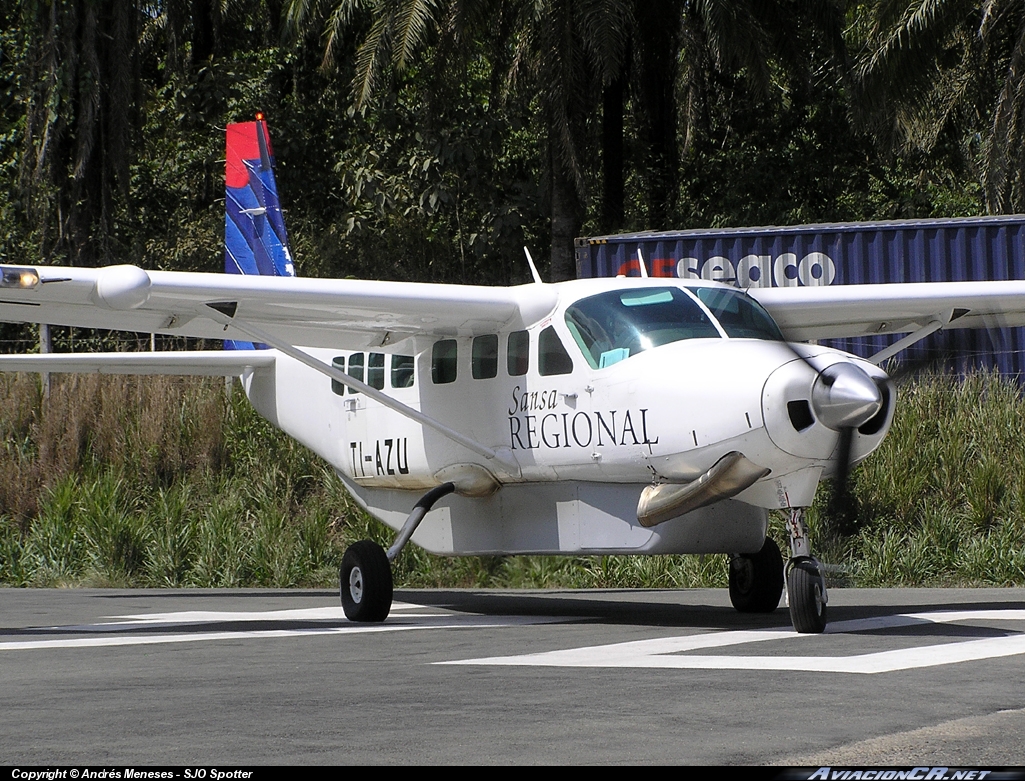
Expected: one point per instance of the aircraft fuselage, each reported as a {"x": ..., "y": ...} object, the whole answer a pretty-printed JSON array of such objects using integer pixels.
[{"x": 578, "y": 442}]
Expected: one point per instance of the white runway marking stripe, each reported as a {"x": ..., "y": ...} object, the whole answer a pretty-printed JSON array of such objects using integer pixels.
[
  {"x": 301, "y": 614},
  {"x": 198, "y": 617},
  {"x": 672, "y": 652},
  {"x": 194, "y": 637},
  {"x": 123, "y": 630}
]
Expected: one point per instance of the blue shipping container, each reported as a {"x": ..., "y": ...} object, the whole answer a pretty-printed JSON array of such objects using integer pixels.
[{"x": 950, "y": 250}]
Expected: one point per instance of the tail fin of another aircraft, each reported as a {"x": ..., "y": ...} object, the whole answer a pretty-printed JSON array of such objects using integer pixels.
[{"x": 255, "y": 239}]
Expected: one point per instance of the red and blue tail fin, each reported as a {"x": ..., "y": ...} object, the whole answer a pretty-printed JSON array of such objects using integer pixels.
[{"x": 255, "y": 239}]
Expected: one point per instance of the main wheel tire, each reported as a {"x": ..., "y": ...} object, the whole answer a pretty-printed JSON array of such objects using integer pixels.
[
  {"x": 756, "y": 579},
  {"x": 804, "y": 589},
  {"x": 365, "y": 582}
]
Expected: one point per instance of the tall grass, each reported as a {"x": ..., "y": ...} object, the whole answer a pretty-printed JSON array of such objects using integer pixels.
[
  {"x": 943, "y": 500},
  {"x": 157, "y": 481},
  {"x": 167, "y": 482}
]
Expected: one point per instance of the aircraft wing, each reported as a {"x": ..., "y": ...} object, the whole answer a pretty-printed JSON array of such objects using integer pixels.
[
  {"x": 339, "y": 313},
  {"x": 865, "y": 310}
]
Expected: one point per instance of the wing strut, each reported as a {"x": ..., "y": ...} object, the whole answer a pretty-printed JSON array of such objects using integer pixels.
[
  {"x": 508, "y": 463},
  {"x": 940, "y": 320}
]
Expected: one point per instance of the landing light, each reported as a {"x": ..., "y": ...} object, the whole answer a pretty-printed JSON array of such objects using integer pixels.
[{"x": 24, "y": 278}]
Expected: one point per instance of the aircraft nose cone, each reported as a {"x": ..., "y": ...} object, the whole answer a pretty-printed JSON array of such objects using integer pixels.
[{"x": 844, "y": 396}]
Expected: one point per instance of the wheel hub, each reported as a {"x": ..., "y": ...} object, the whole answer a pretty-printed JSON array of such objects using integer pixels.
[
  {"x": 743, "y": 573},
  {"x": 356, "y": 585}
]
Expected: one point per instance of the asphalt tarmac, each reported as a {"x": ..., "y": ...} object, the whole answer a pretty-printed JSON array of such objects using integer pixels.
[{"x": 249, "y": 677}]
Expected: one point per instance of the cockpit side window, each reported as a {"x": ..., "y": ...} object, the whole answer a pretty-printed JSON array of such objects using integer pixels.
[
  {"x": 740, "y": 316},
  {"x": 552, "y": 357},
  {"x": 612, "y": 326}
]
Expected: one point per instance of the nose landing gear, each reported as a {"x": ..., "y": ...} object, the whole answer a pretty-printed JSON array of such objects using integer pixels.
[{"x": 806, "y": 580}]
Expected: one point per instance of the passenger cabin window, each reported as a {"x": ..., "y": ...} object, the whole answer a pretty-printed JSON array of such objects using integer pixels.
[
  {"x": 611, "y": 327},
  {"x": 338, "y": 362},
  {"x": 402, "y": 371},
  {"x": 552, "y": 357},
  {"x": 443, "y": 362},
  {"x": 518, "y": 353},
  {"x": 375, "y": 371},
  {"x": 484, "y": 365},
  {"x": 355, "y": 369}
]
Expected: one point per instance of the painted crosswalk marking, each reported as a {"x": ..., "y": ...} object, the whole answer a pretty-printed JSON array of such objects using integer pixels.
[{"x": 678, "y": 652}]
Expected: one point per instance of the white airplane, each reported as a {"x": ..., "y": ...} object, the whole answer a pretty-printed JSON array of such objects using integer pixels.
[{"x": 601, "y": 416}]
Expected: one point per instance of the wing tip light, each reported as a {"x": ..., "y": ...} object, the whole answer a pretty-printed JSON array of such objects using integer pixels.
[{"x": 19, "y": 277}]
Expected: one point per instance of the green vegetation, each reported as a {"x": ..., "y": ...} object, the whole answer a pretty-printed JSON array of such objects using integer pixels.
[
  {"x": 158, "y": 481},
  {"x": 168, "y": 482},
  {"x": 429, "y": 140},
  {"x": 943, "y": 501}
]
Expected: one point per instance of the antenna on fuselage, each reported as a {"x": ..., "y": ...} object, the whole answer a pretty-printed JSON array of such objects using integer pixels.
[
  {"x": 533, "y": 268},
  {"x": 640, "y": 258}
]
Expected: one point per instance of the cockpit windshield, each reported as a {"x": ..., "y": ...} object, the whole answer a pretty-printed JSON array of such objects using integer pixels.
[
  {"x": 610, "y": 327},
  {"x": 740, "y": 316}
]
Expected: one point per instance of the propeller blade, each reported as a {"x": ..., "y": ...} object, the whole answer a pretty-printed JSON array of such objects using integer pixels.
[
  {"x": 843, "y": 398},
  {"x": 841, "y": 510}
]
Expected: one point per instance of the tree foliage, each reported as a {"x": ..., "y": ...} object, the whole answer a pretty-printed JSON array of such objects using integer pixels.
[
  {"x": 950, "y": 73},
  {"x": 431, "y": 139}
]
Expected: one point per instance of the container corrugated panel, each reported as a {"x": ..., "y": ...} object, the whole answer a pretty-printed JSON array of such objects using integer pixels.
[{"x": 950, "y": 250}]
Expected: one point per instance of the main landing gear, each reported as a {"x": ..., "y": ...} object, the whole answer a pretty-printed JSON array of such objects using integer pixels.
[
  {"x": 365, "y": 580},
  {"x": 756, "y": 579}
]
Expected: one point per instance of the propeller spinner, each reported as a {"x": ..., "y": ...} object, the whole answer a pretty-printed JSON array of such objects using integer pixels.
[{"x": 844, "y": 397}]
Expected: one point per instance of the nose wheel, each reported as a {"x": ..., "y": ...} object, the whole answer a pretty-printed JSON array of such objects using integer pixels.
[{"x": 806, "y": 592}]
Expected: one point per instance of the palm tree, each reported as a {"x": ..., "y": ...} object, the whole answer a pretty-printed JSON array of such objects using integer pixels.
[
  {"x": 574, "y": 56},
  {"x": 571, "y": 53},
  {"x": 559, "y": 49},
  {"x": 81, "y": 77},
  {"x": 942, "y": 68}
]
